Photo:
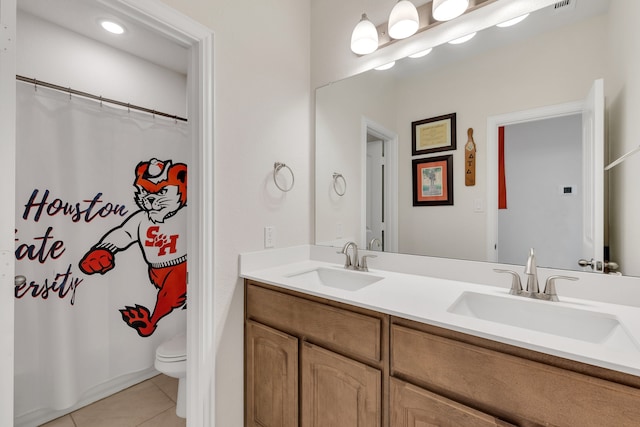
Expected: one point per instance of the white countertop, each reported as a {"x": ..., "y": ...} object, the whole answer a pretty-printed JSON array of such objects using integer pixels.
[{"x": 427, "y": 299}]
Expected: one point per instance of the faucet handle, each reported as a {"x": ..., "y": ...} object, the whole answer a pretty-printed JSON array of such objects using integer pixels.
[
  {"x": 550, "y": 286},
  {"x": 516, "y": 285},
  {"x": 363, "y": 263}
]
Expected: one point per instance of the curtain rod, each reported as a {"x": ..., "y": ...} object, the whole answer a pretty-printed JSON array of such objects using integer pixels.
[{"x": 97, "y": 98}]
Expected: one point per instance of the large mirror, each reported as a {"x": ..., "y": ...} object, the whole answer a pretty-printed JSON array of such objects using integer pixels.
[{"x": 540, "y": 70}]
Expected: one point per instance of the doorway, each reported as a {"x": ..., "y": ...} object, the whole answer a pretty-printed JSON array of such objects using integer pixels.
[
  {"x": 380, "y": 188},
  {"x": 541, "y": 199},
  {"x": 199, "y": 40},
  {"x": 591, "y": 110}
]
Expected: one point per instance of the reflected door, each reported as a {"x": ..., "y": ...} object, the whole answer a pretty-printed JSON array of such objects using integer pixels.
[
  {"x": 593, "y": 178},
  {"x": 375, "y": 195}
]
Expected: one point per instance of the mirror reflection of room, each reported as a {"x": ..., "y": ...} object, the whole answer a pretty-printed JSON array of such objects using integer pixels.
[{"x": 508, "y": 70}]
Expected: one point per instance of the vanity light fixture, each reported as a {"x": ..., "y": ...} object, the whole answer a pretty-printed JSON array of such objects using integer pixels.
[
  {"x": 403, "y": 20},
  {"x": 462, "y": 39},
  {"x": 386, "y": 66},
  {"x": 445, "y": 10},
  {"x": 513, "y": 21},
  {"x": 364, "y": 39},
  {"x": 112, "y": 27},
  {"x": 421, "y": 53}
]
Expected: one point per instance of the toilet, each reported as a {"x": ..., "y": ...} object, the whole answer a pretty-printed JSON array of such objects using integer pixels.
[{"x": 171, "y": 360}]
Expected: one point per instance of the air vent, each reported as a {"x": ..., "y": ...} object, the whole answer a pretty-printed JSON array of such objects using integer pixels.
[{"x": 564, "y": 5}]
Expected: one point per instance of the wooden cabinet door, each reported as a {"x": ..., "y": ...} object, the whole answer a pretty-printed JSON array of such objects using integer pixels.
[
  {"x": 271, "y": 377},
  {"x": 413, "y": 406},
  {"x": 337, "y": 391}
]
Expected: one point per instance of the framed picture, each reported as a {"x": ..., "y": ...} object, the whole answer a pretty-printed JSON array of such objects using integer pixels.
[
  {"x": 433, "y": 181},
  {"x": 433, "y": 135}
]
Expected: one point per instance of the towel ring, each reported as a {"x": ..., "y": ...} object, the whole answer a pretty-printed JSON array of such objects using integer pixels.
[
  {"x": 276, "y": 168},
  {"x": 336, "y": 177}
]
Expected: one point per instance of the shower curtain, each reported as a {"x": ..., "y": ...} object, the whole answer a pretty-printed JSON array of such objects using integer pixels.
[{"x": 89, "y": 177}]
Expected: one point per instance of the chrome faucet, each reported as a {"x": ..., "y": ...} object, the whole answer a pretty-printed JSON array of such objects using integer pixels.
[
  {"x": 531, "y": 271},
  {"x": 373, "y": 242},
  {"x": 352, "y": 262},
  {"x": 533, "y": 290}
]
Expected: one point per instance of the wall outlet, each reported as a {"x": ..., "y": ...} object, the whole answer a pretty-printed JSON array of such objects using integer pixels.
[{"x": 269, "y": 236}]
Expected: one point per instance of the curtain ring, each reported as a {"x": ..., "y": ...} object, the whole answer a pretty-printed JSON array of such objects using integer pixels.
[
  {"x": 276, "y": 169},
  {"x": 336, "y": 177}
]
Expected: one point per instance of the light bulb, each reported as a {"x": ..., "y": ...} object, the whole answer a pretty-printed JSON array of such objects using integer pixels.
[
  {"x": 112, "y": 27},
  {"x": 513, "y": 21},
  {"x": 463, "y": 39},
  {"x": 421, "y": 53},
  {"x": 445, "y": 10},
  {"x": 403, "y": 20},
  {"x": 386, "y": 66},
  {"x": 364, "y": 38}
]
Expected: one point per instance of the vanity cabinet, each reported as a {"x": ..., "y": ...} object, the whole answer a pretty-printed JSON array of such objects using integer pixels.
[
  {"x": 338, "y": 391},
  {"x": 336, "y": 354},
  {"x": 311, "y": 361},
  {"x": 271, "y": 377},
  {"x": 515, "y": 385},
  {"x": 413, "y": 406}
]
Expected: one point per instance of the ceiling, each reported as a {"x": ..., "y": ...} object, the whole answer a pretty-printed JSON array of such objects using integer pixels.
[{"x": 83, "y": 16}]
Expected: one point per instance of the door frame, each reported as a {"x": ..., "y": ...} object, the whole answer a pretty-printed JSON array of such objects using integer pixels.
[
  {"x": 493, "y": 123},
  {"x": 390, "y": 140},
  {"x": 200, "y": 316},
  {"x": 8, "y": 10}
]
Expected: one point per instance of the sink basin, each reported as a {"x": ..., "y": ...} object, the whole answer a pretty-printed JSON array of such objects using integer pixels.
[
  {"x": 335, "y": 278},
  {"x": 548, "y": 317}
]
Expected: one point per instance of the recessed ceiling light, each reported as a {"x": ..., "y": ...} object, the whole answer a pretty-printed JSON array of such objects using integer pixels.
[
  {"x": 462, "y": 39},
  {"x": 421, "y": 53},
  {"x": 386, "y": 66},
  {"x": 112, "y": 27},
  {"x": 513, "y": 21}
]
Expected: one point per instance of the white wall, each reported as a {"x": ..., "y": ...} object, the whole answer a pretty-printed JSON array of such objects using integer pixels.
[
  {"x": 340, "y": 110},
  {"x": 623, "y": 104},
  {"x": 53, "y": 54},
  {"x": 262, "y": 113}
]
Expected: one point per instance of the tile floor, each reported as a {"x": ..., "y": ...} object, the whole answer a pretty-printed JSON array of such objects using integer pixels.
[{"x": 151, "y": 403}]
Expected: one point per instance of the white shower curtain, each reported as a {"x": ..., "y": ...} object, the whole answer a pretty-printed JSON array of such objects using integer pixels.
[{"x": 77, "y": 161}]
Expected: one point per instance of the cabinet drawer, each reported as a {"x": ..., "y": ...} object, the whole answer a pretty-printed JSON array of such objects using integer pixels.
[
  {"x": 349, "y": 333},
  {"x": 510, "y": 387},
  {"x": 413, "y": 406}
]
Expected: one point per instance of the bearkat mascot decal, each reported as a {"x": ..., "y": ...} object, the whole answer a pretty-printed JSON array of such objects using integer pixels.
[{"x": 159, "y": 228}]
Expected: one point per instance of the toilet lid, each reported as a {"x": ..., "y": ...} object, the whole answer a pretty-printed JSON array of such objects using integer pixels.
[{"x": 175, "y": 348}]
